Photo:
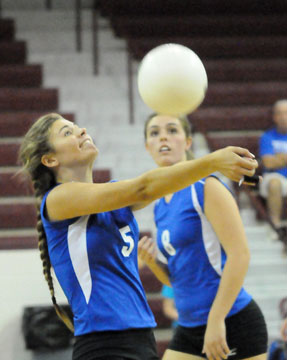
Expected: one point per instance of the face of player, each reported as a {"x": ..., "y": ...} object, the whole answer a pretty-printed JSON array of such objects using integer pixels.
[
  {"x": 71, "y": 144},
  {"x": 166, "y": 140},
  {"x": 280, "y": 117}
]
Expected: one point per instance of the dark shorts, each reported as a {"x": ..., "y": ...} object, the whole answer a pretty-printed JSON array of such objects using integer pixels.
[
  {"x": 245, "y": 331},
  {"x": 135, "y": 344}
]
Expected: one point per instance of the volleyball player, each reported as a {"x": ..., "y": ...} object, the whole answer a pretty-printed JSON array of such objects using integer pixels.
[
  {"x": 88, "y": 234},
  {"x": 200, "y": 233}
]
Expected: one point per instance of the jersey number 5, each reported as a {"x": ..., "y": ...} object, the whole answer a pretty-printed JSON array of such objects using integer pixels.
[
  {"x": 126, "y": 250},
  {"x": 165, "y": 239}
]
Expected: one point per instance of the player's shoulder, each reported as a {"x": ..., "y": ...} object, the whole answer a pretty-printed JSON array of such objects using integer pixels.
[{"x": 270, "y": 133}]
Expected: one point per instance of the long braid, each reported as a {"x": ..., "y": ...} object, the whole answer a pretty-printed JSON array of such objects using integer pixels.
[
  {"x": 34, "y": 146},
  {"x": 42, "y": 245}
]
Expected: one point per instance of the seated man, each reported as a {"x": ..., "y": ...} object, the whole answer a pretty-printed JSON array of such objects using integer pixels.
[{"x": 273, "y": 151}]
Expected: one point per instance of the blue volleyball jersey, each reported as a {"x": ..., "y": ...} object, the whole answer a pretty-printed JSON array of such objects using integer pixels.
[
  {"x": 95, "y": 261},
  {"x": 195, "y": 256}
]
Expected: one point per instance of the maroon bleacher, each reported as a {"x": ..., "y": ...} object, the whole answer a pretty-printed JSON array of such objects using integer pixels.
[
  {"x": 231, "y": 118},
  {"x": 198, "y": 26},
  {"x": 218, "y": 141},
  {"x": 34, "y": 99},
  {"x": 9, "y": 153},
  {"x": 235, "y": 94},
  {"x": 18, "y": 242},
  {"x": 13, "y": 183},
  {"x": 17, "y": 123},
  {"x": 7, "y": 30},
  {"x": 13, "y": 52},
  {"x": 150, "y": 282},
  {"x": 186, "y": 7},
  {"x": 20, "y": 75},
  {"x": 217, "y": 47},
  {"x": 17, "y": 215},
  {"x": 22, "y": 101},
  {"x": 246, "y": 70}
]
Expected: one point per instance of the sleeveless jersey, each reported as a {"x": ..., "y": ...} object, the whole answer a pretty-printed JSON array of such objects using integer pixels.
[
  {"x": 95, "y": 261},
  {"x": 194, "y": 254}
]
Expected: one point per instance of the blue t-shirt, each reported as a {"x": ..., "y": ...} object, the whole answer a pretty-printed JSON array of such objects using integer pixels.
[
  {"x": 195, "y": 256},
  {"x": 167, "y": 292},
  {"x": 272, "y": 142},
  {"x": 95, "y": 260}
]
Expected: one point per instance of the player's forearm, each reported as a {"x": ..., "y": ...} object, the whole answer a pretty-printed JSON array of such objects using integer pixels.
[
  {"x": 160, "y": 271},
  {"x": 165, "y": 180},
  {"x": 232, "y": 280}
]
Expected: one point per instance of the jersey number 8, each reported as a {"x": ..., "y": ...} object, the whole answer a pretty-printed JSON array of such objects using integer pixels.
[{"x": 165, "y": 239}]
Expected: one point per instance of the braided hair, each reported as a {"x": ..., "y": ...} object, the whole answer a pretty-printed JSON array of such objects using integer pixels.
[{"x": 34, "y": 146}]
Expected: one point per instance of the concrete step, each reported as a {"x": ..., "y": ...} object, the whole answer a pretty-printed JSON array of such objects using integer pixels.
[
  {"x": 43, "y": 41},
  {"x": 51, "y": 21},
  {"x": 32, "y": 5}
]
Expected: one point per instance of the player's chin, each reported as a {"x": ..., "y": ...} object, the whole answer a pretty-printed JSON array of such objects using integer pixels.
[
  {"x": 91, "y": 153},
  {"x": 166, "y": 161}
]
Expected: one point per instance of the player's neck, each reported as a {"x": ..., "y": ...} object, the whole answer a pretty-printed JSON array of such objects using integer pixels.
[
  {"x": 78, "y": 174},
  {"x": 168, "y": 198}
]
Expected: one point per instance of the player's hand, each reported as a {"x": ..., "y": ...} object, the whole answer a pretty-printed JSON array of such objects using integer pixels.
[
  {"x": 284, "y": 330},
  {"x": 235, "y": 162},
  {"x": 215, "y": 346},
  {"x": 147, "y": 250}
]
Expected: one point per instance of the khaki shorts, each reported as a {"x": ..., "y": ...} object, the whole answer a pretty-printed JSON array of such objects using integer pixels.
[{"x": 264, "y": 184}]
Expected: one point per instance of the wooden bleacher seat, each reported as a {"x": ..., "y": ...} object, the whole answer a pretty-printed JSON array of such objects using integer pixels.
[
  {"x": 17, "y": 123},
  {"x": 217, "y": 47},
  {"x": 18, "y": 242},
  {"x": 184, "y": 7},
  {"x": 7, "y": 29},
  {"x": 34, "y": 99},
  {"x": 9, "y": 153},
  {"x": 219, "y": 141},
  {"x": 20, "y": 75},
  {"x": 149, "y": 281},
  {"x": 245, "y": 94},
  {"x": 13, "y": 52},
  {"x": 229, "y": 118},
  {"x": 156, "y": 307},
  {"x": 246, "y": 70},
  {"x": 17, "y": 215},
  {"x": 200, "y": 25}
]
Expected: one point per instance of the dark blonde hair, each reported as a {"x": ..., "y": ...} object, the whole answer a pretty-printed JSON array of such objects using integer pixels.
[
  {"x": 185, "y": 126},
  {"x": 34, "y": 146}
]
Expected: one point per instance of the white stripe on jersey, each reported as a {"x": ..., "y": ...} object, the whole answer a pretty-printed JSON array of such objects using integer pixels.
[
  {"x": 77, "y": 243},
  {"x": 210, "y": 240}
]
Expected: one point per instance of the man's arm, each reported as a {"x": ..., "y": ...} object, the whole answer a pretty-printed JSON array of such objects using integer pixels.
[{"x": 275, "y": 161}]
